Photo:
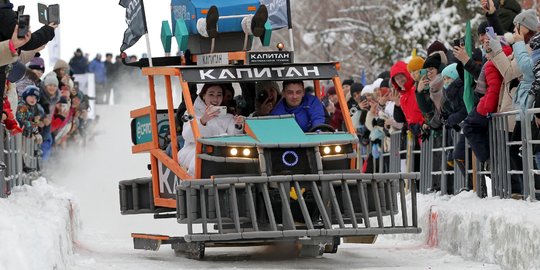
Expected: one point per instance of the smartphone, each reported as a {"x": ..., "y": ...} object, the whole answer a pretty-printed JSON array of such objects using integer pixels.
[
  {"x": 459, "y": 42},
  {"x": 20, "y": 10},
  {"x": 222, "y": 111},
  {"x": 42, "y": 13},
  {"x": 53, "y": 14},
  {"x": 490, "y": 32},
  {"x": 24, "y": 26},
  {"x": 423, "y": 72}
]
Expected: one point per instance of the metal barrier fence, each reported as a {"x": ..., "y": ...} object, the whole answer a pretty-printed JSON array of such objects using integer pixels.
[
  {"x": 22, "y": 157},
  {"x": 437, "y": 174},
  {"x": 345, "y": 202}
]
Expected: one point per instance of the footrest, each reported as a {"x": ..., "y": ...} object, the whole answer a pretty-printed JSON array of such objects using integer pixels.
[{"x": 148, "y": 241}]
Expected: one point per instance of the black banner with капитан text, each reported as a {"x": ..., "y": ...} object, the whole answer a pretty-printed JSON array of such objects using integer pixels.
[{"x": 254, "y": 73}]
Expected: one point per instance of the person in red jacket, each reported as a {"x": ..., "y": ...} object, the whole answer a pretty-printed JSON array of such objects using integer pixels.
[
  {"x": 8, "y": 118},
  {"x": 475, "y": 126},
  {"x": 406, "y": 105}
]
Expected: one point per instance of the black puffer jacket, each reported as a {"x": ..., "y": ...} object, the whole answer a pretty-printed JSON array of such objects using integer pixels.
[
  {"x": 454, "y": 110},
  {"x": 508, "y": 10}
]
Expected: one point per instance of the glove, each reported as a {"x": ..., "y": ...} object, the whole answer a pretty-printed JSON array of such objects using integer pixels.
[{"x": 494, "y": 46}]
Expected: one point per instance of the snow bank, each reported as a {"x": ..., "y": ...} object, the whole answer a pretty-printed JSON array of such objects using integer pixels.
[
  {"x": 38, "y": 226},
  {"x": 504, "y": 232}
]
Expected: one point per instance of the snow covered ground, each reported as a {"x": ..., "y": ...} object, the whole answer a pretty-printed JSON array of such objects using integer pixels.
[{"x": 37, "y": 231}]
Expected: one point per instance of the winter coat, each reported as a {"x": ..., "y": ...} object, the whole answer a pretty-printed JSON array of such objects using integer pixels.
[
  {"x": 98, "y": 68},
  {"x": 508, "y": 69},
  {"x": 215, "y": 127},
  {"x": 78, "y": 64},
  {"x": 454, "y": 110},
  {"x": 10, "y": 122},
  {"x": 408, "y": 102},
  {"x": 520, "y": 65},
  {"x": 309, "y": 114},
  {"x": 336, "y": 120},
  {"x": 522, "y": 99},
  {"x": 49, "y": 102},
  {"x": 495, "y": 81},
  {"x": 508, "y": 10},
  {"x": 6, "y": 56},
  {"x": 29, "y": 117},
  {"x": 59, "y": 121}
]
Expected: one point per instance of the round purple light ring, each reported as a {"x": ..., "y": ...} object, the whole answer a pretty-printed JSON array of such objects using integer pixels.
[{"x": 286, "y": 154}]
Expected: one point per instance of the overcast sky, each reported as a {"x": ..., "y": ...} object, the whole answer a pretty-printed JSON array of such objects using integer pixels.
[{"x": 97, "y": 26}]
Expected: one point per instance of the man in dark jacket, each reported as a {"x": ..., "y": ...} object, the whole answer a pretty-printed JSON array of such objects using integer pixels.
[{"x": 78, "y": 63}]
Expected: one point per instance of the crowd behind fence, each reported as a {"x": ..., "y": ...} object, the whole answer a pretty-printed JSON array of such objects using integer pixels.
[{"x": 436, "y": 174}]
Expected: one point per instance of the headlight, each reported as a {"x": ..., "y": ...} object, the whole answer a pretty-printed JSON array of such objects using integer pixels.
[
  {"x": 329, "y": 150},
  {"x": 241, "y": 152}
]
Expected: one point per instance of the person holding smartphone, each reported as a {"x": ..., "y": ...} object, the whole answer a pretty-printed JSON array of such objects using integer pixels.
[{"x": 207, "y": 114}]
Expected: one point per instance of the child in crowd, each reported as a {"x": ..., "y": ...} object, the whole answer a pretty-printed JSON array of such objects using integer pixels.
[{"x": 30, "y": 113}]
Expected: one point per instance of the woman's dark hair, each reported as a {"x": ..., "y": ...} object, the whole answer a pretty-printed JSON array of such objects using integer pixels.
[{"x": 207, "y": 86}]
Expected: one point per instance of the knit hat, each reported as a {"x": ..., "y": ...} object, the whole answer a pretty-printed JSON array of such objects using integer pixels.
[
  {"x": 61, "y": 64},
  {"x": 356, "y": 87},
  {"x": 385, "y": 83},
  {"x": 31, "y": 90},
  {"x": 50, "y": 79},
  {"x": 37, "y": 63},
  {"x": 17, "y": 72},
  {"x": 377, "y": 83},
  {"x": 331, "y": 91},
  {"x": 527, "y": 18},
  {"x": 436, "y": 46},
  {"x": 450, "y": 71},
  {"x": 368, "y": 89},
  {"x": 415, "y": 63},
  {"x": 347, "y": 82},
  {"x": 433, "y": 61},
  {"x": 482, "y": 28}
]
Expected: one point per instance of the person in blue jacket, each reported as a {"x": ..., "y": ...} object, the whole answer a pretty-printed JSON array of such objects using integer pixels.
[
  {"x": 307, "y": 109},
  {"x": 100, "y": 77}
]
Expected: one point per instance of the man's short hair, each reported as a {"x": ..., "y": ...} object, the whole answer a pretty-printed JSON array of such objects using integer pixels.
[
  {"x": 286, "y": 83},
  {"x": 108, "y": 54}
]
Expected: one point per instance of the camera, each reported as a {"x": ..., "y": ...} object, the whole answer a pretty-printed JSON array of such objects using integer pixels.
[
  {"x": 353, "y": 110},
  {"x": 262, "y": 97},
  {"x": 187, "y": 117}
]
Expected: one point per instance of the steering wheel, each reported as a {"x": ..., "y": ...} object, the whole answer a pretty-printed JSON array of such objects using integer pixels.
[{"x": 323, "y": 128}]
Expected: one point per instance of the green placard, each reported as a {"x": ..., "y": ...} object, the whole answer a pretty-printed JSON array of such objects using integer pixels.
[
  {"x": 166, "y": 36},
  {"x": 141, "y": 130},
  {"x": 181, "y": 34}
]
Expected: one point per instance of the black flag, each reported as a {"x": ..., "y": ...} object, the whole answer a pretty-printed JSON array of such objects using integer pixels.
[{"x": 136, "y": 22}]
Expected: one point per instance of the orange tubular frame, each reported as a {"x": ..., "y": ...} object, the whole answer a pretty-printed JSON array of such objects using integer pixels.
[{"x": 345, "y": 112}]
